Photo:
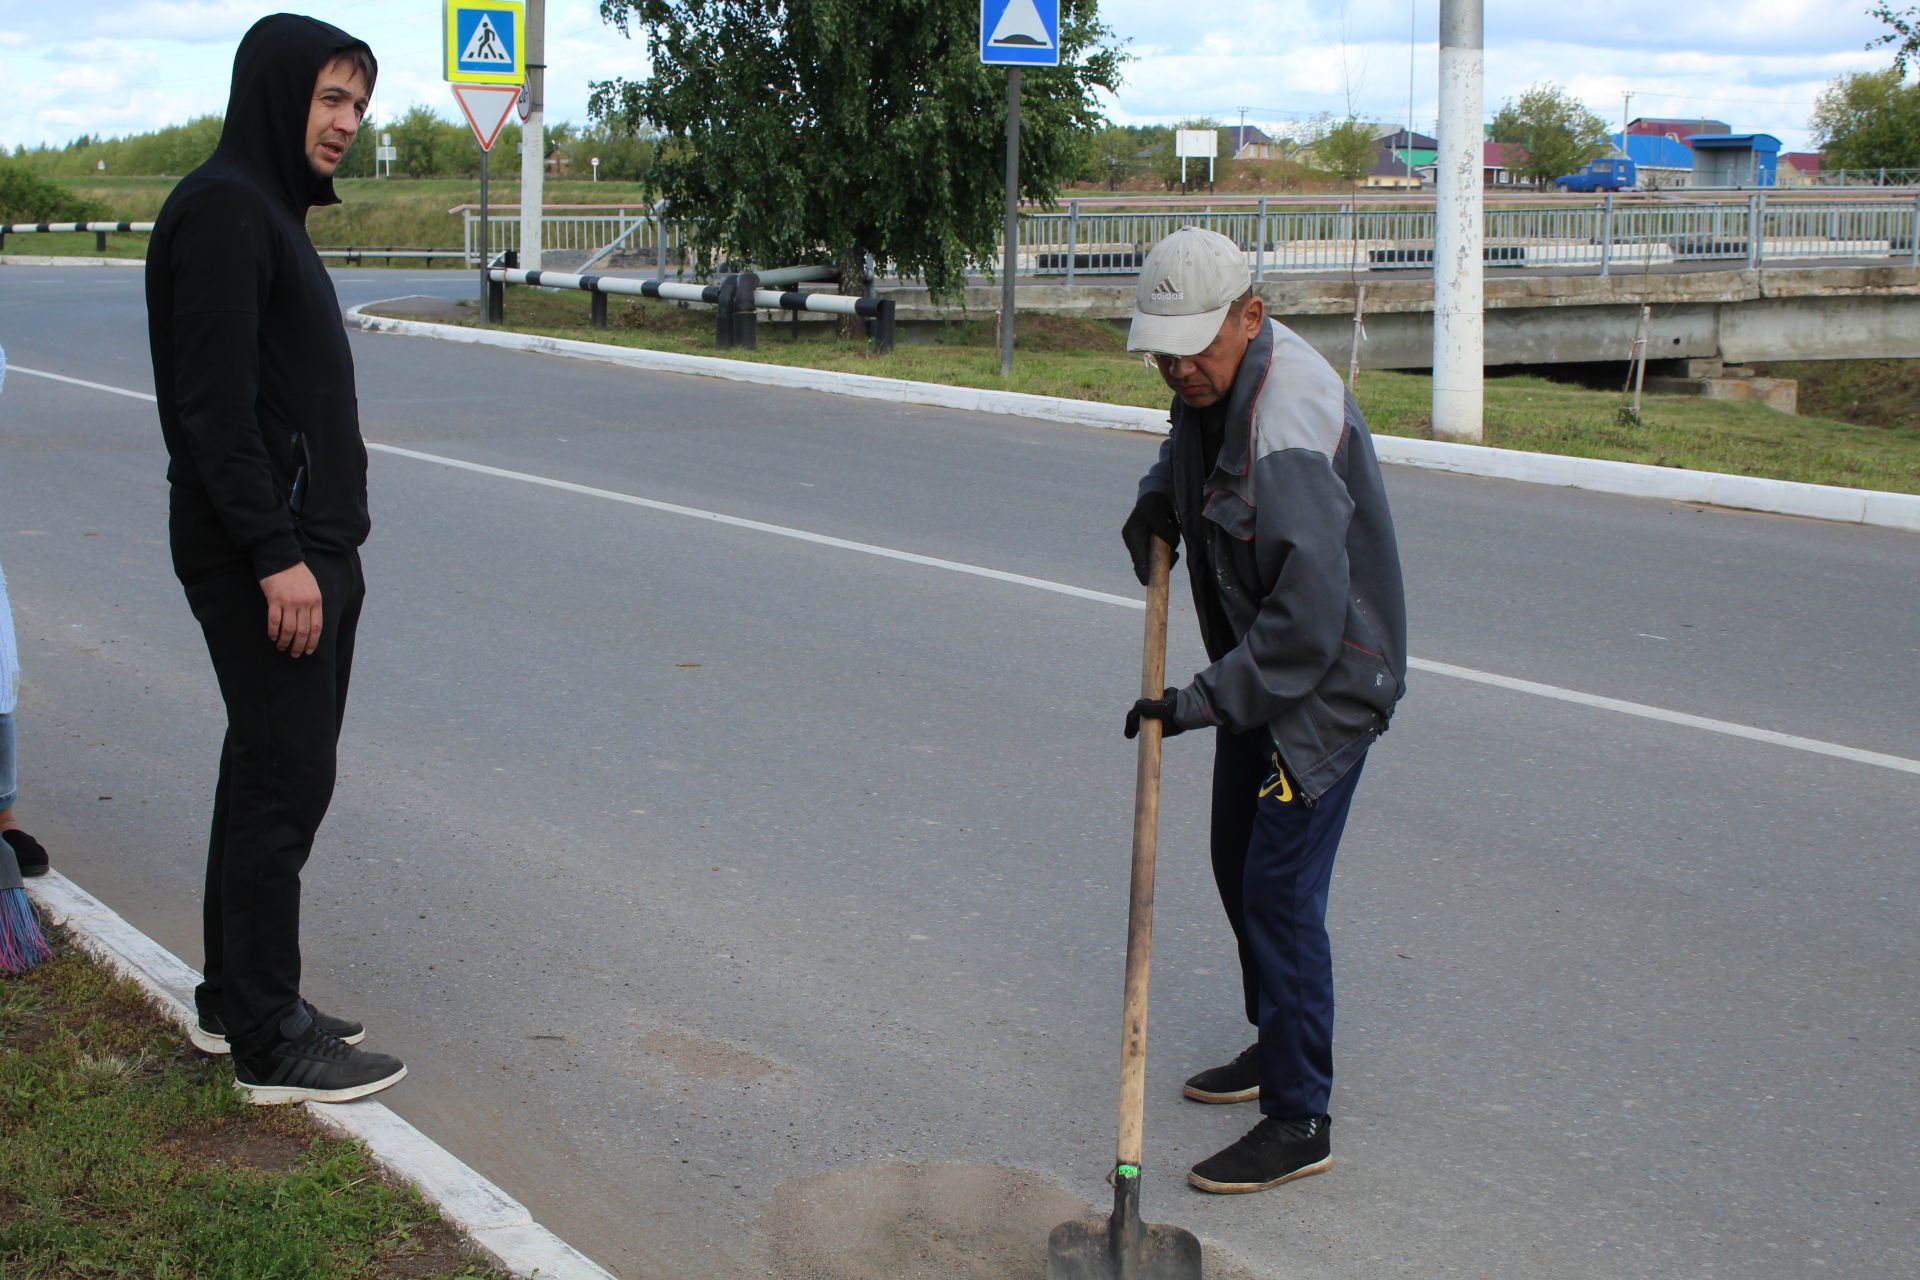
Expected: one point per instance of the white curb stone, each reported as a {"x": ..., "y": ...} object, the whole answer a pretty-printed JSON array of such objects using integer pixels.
[
  {"x": 1631, "y": 479},
  {"x": 494, "y": 1221}
]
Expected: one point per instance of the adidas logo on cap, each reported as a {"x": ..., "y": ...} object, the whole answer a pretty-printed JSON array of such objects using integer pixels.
[{"x": 1167, "y": 291}]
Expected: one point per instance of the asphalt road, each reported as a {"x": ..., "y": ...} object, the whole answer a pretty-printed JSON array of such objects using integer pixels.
[{"x": 751, "y": 905}]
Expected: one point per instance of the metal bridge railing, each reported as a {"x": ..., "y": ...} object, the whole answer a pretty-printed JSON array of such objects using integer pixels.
[
  {"x": 578, "y": 239},
  {"x": 1603, "y": 235}
]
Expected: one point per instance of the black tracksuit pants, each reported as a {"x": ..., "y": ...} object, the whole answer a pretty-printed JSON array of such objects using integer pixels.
[{"x": 276, "y": 780}]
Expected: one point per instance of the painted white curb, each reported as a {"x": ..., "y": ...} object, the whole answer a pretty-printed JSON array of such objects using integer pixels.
[
  {"x": 494, "y": 1221},
  {"x": 1631, "y": 479}
]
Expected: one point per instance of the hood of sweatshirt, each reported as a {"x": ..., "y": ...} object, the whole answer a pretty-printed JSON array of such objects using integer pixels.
[{"x": 272, "y": 96}]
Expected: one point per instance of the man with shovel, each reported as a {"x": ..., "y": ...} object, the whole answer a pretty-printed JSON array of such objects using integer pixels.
[{"x": 1269, "y": 476}]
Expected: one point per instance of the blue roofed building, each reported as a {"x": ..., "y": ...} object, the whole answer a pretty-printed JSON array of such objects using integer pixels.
[{"x": 1662, "y": 160}]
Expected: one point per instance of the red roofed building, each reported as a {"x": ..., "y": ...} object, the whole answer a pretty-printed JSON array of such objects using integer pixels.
[
  {"x": 1678, "y": 130},
  {"x": 1800, "y": 168},
  {"x": 1502, "y": 163}
]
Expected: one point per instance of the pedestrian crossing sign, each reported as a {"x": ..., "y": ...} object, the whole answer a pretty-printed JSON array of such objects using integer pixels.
[
  {"x": 484, "y": 42},
  {"x": 1020, "y": 33}
]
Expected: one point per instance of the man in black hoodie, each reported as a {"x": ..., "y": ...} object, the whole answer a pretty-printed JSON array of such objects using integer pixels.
[{"x": 268, "y": 510}]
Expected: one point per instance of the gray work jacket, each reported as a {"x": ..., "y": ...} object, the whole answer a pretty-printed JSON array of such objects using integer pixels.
[{"x": 1295, "y": 571}]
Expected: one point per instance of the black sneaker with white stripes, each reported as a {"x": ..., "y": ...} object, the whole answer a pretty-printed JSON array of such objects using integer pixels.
[
  {"x": 308, "y": 1065},
  {"x": 209, "y": 1033}
]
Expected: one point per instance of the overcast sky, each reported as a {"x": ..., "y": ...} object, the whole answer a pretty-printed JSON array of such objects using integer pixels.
[{"x": 113, "y": 67}]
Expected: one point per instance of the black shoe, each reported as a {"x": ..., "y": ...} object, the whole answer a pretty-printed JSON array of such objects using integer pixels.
[
  {"x": 1238, "y": 1081},
  {"x": 26, "y": 851},
  {"x": 209, "y": 1034},
  {"x": 311, "y": 1066},
  {"x": 1272, "y": 1152}
]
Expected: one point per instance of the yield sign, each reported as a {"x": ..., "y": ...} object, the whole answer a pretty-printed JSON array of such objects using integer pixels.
[{"x": 487, "y": 107}]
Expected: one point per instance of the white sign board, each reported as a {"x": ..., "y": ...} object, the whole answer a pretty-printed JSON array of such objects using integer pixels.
[{"x": 1196, "y": 144}]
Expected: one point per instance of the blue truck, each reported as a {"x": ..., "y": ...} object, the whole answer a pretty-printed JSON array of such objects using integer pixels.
[{"x": 1600, "y": 175}]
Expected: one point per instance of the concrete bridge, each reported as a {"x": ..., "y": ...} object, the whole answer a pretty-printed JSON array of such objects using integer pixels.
[{"x": 1701, "y": 317}]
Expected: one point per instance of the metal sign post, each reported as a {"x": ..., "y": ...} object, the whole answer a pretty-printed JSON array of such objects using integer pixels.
[
  {"x": 485, "y": 59},
  {"x": 1014, "y": 34}
]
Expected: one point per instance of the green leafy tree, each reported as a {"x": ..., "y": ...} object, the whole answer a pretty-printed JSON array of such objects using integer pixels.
[
  {"x": 1905, "y": 36},
  {"x": 1113, "y": 157},
  {"x": 1868, "y": 120},
  {"x": 1558, "y": 131},
  {"x": 419, "y": 138},
  {"x": 846, "y": 128},
  {"x": 1344, "y": 148}
]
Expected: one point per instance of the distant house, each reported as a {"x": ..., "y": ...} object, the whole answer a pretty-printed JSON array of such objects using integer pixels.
[
  {"x": 1661, "y": 160},
  {"x": 1244, "y": 142},
  {"x": 1414, "y": 148},
  {"x": 1502, "y": 163},
  {"x": 1800, "y": 168},
  {"x": 1389, "y": 170},
  {"x": 559, "y": 161},
  {"x": 1678, "y": 130}
]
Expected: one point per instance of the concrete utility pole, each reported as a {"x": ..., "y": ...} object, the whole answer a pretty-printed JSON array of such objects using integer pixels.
[
  {"x": 1459, "y": 283},
  {"x": 533, "y": 138},
  {"x": 1626, "y": 109}
]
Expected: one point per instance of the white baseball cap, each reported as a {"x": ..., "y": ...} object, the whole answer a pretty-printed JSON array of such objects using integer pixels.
[{"x": 1186, "y": 286}]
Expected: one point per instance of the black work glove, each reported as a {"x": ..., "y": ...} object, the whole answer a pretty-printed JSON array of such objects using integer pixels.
[
  {"x": 1152, "y": 517},
  {"x": 1161, "y": 709}
]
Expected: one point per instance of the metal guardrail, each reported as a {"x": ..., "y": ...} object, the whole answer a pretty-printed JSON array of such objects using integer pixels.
[
  {"x": 360, "y": 253},
  {"x": 1863, "y": 178},
  {"x": 736, "y": 298},
  {"x": 100, "y": 229},
  {"x": 642, "y": 232},
  {"x": 1602, "y": 234}
]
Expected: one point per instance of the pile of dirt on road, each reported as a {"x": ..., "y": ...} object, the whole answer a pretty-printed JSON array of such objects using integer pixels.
[{"x": 902, "y": 1221}]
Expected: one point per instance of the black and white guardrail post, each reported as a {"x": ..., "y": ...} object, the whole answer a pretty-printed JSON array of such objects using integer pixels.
[
  {"x": 737, "y": 300},
  {"x": 99, "y": 229}
]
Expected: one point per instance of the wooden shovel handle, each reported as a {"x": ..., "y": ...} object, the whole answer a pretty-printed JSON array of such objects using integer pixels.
[{"x": 1146, "y": 832}]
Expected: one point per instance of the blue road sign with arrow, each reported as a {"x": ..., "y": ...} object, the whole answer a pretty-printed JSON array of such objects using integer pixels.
[{"x": 1022, "y": 33}]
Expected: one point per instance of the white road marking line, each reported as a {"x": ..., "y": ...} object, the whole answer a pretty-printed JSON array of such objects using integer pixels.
[
  {"x": 1727, "y": 727},
  {"x": 82, "y": 382},
  {"x": 1661, "y": 714},
  {"x": 760, "y": 527}
]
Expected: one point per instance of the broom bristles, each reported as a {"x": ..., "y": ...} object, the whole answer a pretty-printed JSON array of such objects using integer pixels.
[{"x": 23, "y": 945}]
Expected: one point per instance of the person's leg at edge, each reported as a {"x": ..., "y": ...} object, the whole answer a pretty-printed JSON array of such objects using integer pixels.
[{"x": 9, "y": 785}]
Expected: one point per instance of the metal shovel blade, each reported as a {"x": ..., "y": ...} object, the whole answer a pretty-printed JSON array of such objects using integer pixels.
[{"x": 1090, "y": 1249}]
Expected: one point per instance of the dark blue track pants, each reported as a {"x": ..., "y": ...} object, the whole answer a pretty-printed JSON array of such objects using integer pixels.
[{"x": 1272, "y": 859}]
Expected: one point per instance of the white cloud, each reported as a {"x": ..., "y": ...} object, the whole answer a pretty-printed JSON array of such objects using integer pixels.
[{"x": 1759, "y": 64}]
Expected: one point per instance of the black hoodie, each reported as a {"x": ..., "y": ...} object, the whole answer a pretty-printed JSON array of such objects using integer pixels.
[{"x": 250, "y": 358}]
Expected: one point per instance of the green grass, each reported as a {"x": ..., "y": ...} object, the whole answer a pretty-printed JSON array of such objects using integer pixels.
[
  {"x": 126, "y": 1154},
  {"x": 1082, "y": 360}
]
